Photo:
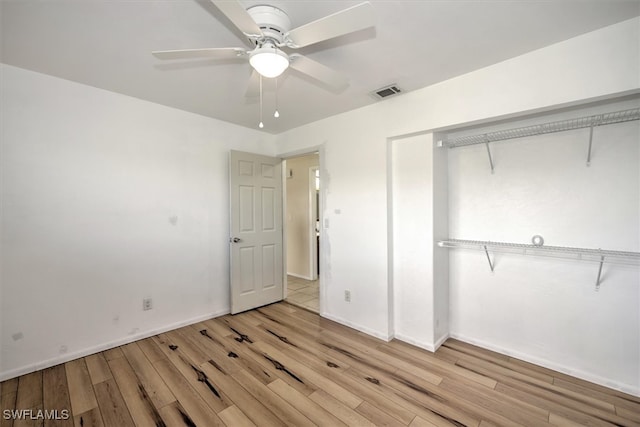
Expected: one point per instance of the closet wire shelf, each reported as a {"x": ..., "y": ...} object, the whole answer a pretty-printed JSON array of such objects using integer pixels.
[
  {"x": 581, "y": 254},
  {"x": 544, "y": 128}
]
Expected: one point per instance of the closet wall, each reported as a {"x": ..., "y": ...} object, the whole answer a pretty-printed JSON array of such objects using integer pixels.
[{"x": 541, "y": 309}]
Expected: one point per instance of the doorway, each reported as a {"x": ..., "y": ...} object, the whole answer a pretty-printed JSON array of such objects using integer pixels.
[{"x": 302, "y": 217}]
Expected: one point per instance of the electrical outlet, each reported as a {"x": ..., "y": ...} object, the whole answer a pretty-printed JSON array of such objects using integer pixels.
[
  {"x": 347, "y": 295},
  {"x": 147, "y": 304}
]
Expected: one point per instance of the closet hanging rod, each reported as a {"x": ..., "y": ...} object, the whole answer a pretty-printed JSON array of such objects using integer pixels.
[
  {"x": 583, "y": 254},
  {"x": 544, "y": 128}
]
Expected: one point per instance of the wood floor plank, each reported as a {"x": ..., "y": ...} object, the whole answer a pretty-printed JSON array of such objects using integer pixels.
[
  {"x": 142, "y": 409},
  {"x": 98, "y": 368},
  {"x": 264, "y": 367},
  {"x": 550, "y": 403},
  {"x": 402, "y": 410},
  {"x": 586, "y": 384},
  {"x": 81, "y": 390},
  {"x": 91, "y": 418},
  {"x": 440, "y": 400},
  {"x": 420, "y": 422},
  {"x": 568, "y": 397},
  {"x": 112, "y": 407},
  {"x": 195, "y": 407},
  {"x": 29, "y": 397},
  {"x": 600, "y": 393},
  {"x": 498, "y": 403},
  {"x": 421, "y": 358},
  {"x": 29, "y": 393},
  {"x": 629, "y": 414},
  {"x": 416, "y": 401},
  {"x": 281, "y": 365},
  {"x": 314, "y": 412},
  {"x": 312, "y": 376},
  {"x": 174, "y": 340},
  {"x": 280, "y": 407},
  {"x": 201, "y": 383},
  {"x": 245, "y": 401},
  {"x": 153, "y": 383},
  {"x": 55, "y": 397},
  {"x": 9, "y": 386},
  {"x": 150, "y": 350},
  {"x": 347, "y": 415},
  {"x": 175, "y": 415},
  {"x": 312, "y": 359},
  {"x": 478, "y": 352},
  {"x": 482, "y": 391},
  {"x": 216, "y": 328},
  {"x": 388, "y": 360},
  {"x": 113, "y": 353},
  {"x": 376, "y": 416},
  {"x": 298, "y": 338},
  {"x": 557, "y": 420},
  {"x": 232, "y": 417},
  {"x": 219, "y": 349},
  {"x": 8, "y": 401}
]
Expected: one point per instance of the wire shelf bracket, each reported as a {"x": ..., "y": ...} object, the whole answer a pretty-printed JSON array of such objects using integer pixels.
[
  {"x": 599, "y": 273},
  {"x": 490, "y": 158},
  {"x": 486, "y": 251},
  {"x": 581, "y": 254},
  {"x": 545, "y": 128}
]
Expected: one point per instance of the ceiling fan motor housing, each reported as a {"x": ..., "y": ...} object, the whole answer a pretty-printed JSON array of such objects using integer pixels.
[{"x": 273, "y": 22}]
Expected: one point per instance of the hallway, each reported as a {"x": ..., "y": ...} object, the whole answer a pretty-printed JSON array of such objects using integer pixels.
[{"x": 303, "y": 293}]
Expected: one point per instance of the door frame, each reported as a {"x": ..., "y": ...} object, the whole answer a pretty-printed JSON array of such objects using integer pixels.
[
  {"x": 313, "y": 203},
  {"x": 320, "y": 150}
]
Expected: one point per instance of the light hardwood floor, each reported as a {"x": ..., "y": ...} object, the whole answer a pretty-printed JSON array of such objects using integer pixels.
[{"x": 281, "y": 365}]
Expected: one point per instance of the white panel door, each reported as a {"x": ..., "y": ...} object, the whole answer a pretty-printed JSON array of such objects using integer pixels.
[{"x": 256, "y": 230}]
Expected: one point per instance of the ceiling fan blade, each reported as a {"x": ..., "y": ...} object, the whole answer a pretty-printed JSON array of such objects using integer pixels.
[
  {"x": 239, "y": 16},
  {"x": 318, "y": 71},
  {"x": 216, "y": 53},
  {"x": 253, "y": 88},
  {"x": 346, "y": 21}
]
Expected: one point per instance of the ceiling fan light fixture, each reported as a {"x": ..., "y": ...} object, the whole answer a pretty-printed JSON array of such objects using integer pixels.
[{"x": 269, "y": 61}]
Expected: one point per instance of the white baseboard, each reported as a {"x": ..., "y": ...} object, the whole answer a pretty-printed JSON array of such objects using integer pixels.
[
  {"x": 368, "y": 331},
  {"x": 417, "y": 343},
  {"x": 300, "y": 276},
  {"x": 432, "y": 347},
  {"x": 106, "y": 346},
  {"x": 626, "y": 388},
  {"x": 441, "y": 340}
]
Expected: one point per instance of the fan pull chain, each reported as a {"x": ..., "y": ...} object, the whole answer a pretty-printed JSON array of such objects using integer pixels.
[
  {"x": 261, "y": 125},
  {"x": 276, "y": 114}
]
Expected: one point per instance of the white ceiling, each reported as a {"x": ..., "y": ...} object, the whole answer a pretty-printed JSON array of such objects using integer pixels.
[{"x": 107, "y": 44}]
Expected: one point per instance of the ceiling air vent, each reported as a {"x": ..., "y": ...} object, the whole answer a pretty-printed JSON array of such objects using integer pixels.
[{"x": 386, "y": 91}]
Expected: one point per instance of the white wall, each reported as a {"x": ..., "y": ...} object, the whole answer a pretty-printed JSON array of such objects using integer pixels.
[
  {"x": 355, "y": 246},
  {"x": 106, "y": 200},
  {"x": 413, "y": 239},
  {"x": 419, "y": 217},
  {"x": 300, "y": 227}
]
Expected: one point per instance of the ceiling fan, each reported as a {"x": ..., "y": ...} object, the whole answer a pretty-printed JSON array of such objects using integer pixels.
[{"x": 268, "y": 30}]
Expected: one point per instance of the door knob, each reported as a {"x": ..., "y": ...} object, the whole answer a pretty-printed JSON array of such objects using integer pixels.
[{"x": 235, "y": 240}]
